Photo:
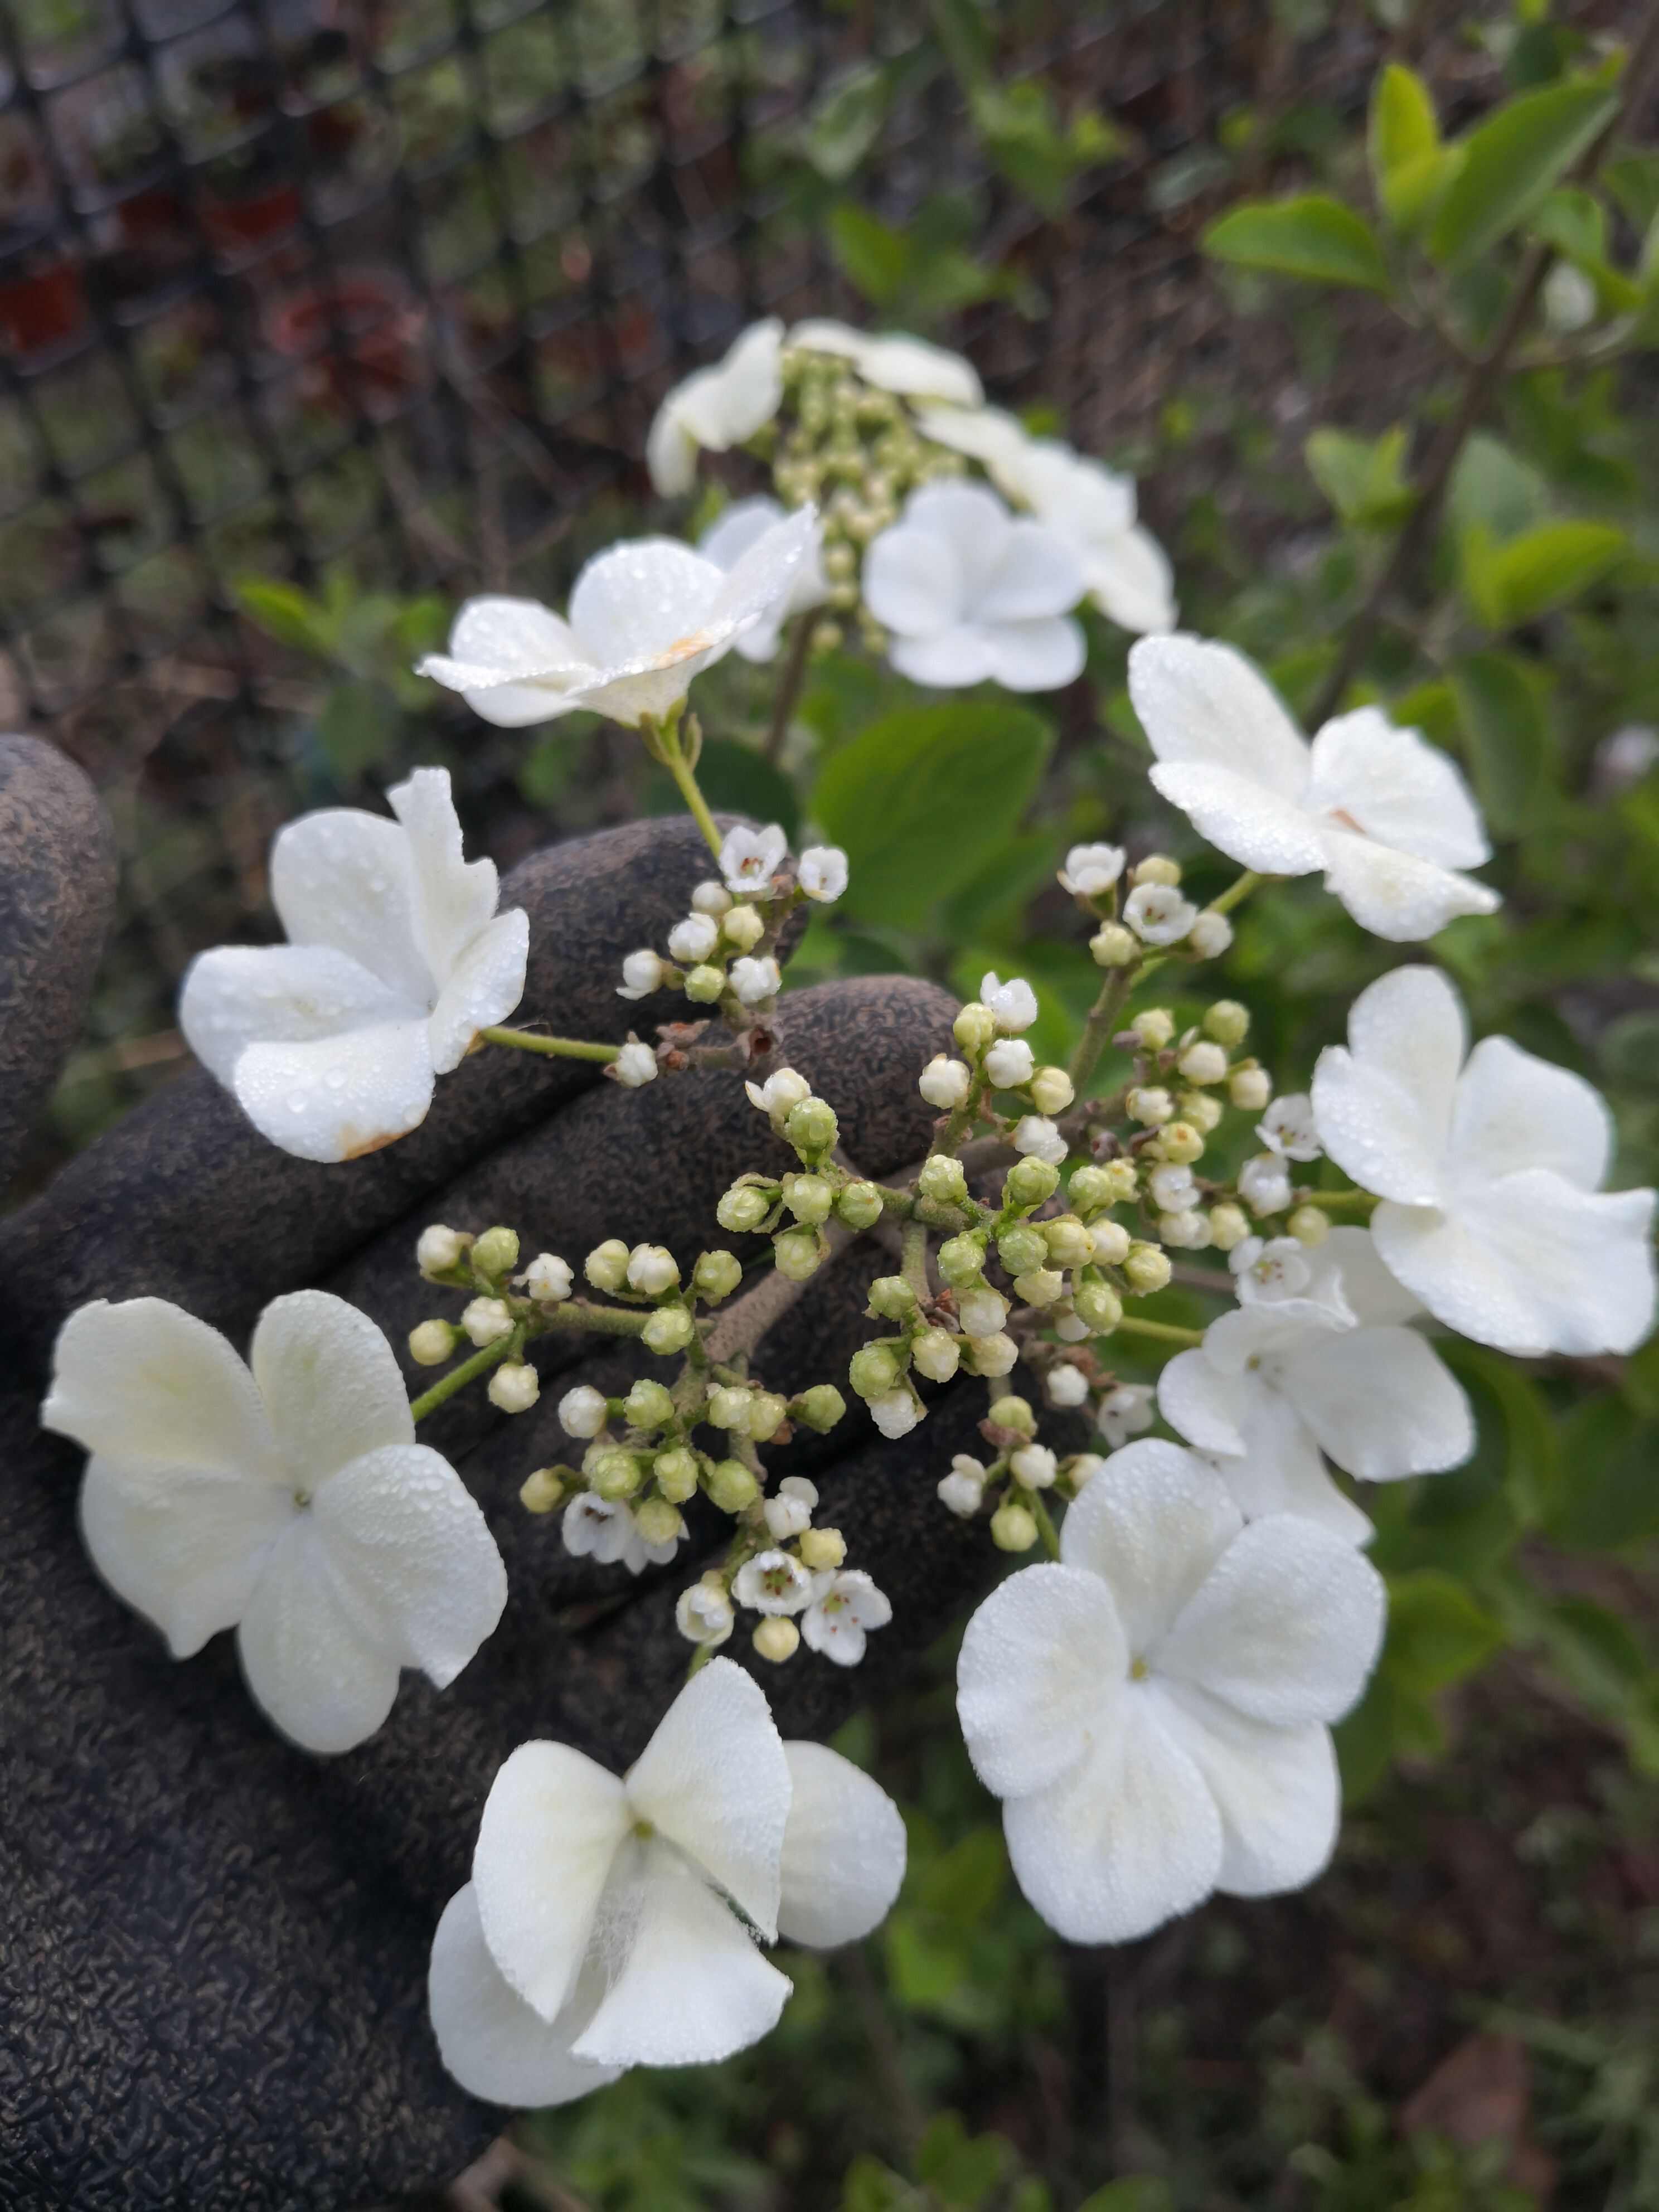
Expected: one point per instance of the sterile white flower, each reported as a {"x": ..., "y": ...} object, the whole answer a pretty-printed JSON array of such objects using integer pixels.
[
  {"x": 962, "y": 1491},
  {"x": 548, "y": 1278},
  {"x": 583, "y": 1411},
  {"x": 756, "y": 981},
  {"x": 716, "y": 408},
  {"x": 846, "y": 1606},
  {"x": 634, "y": 1066},
  {"x": 604, "y": 1530},
  {"x": 1013, "y": 1004},
  {"x": 789, "y": 1509},
  {"x": 646, "y": 616},
  {"x": 969, "y": 591},
  {"x": 772, "y": 1582},
  {"x": 751, "y": 858},
  {"x": 395, "y": 959},
  {"x": 895, "y": 362},
  {"x": 1154, "y": 1709},
  {"x": 822, "y": 872},
  {"x": 944, "y": 1082},
  {"x": 1490, "y": 1172},
  {"x": 703, "y": 1613},
  {"x": 642, "y": 974},
  {"x": 598, "y": 1930},
  {"x": 1384, "y": 814},
  {"x": 1264, "y": 1183},
  {"x": 1010, "y": 1064},
  {"x": 1328, "y": 1365},
  {"x": 1125, "y": 1411},
  {"x": 1159, "y": 914},
  {"x": 694, "y": 938},
  {"x": 286, "y": 1498},
  {"x": 1287, "y": 1128},
  {"x": 1281, "y": 1270},
  {"x": 896, "y": 1413},
  {"x": 1091, "y": 869},
  {"x": 782, "y": 1089},
  {"x": 1036, "y": 1136},
  {"x": 743, "y": 524}
]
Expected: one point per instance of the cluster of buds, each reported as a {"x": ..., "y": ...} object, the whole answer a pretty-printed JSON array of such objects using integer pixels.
[
  {"x": 990, "y": 1030},
  {"x": 796, "y": 1210},
  {"x": 1154, "y": 916},
  {"x": 794, "y": 1577},
  {"x": 1013, "y": 1479}
]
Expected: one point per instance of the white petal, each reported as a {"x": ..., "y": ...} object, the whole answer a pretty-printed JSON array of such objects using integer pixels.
[
  {"x": 1394, "y": 895},
  {"x": 949, "y": 660},
  {"x": 1377, "y": 1300},
  {"x": 1123, "y": 1842},
  {"x": 489, "y": 2039},
  {"x": 1205, "y": 705},
  {"x": 693, "y": 1988},
  {"x": 1383, "y": 1108},
  {"x": 843, "y": 1850},
  {"x": 1040, "y": 1676},
  {"x": 1276, "y": 1790},
  {"x": 913, "y": 582},
  {"x": 766, "y": 576},
  {"x": 1396, "y": 787},
  {"x": 1531, "y": 1264},
  {"x": 144, "y": 1380},
  {"x": 345, "y": 879},
  {"x": 183, "y": 1545},
  {"x": 552, "y": 1825},
  {"x": 407, "y": 1539},
  {"x": 330, "y": 1384},
  {"x": 1242, "y": 817},
  {"x": 723, "y": 406},
  {"x": 738, "y": 527},
  {"x": 670, "y": 451},
  {"x": 240, "y": 996},
  {"x": 319, "y": 1670},
  {"x": 640, "y": 598},
  {"x": 1130, "y": 580},
  {"x": 1286, "y": 1628},
  {"x": 1204, "y": 1404},
  {"x": 508, "y": 640},
  {"x": 342, "y": 1096},
  {"x": 452, "y": 897},
  {"x": 1280, "y": 1471},
  {"x": 1513, "y": 1110},
  {"x": 1152, "y": 1523},
  {"x": 1381, "y": 1403},
  {"x": 984, "y": 434},
  {"x": 1034, "y": 656},
  {"x": 1036, "y": 574},
  {"x": 485, "y": 985},
  {"x": 714, "y": 1780}
]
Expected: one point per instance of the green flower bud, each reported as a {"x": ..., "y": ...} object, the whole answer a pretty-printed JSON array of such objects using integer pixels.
[
  {"x": 1091, "y": 1190},
  {"x": 776, "y": 1639},
  {"x": 615, "y": 1473},
  {"x": 716, "y": 1275},
  {"x": 703, "y": 984},
  {"x": 1227, "y": 1021},
  {"x": 1022, "y": 1249},
  {"x": 819, "y": 1409},
  {"x": 667, "y": 1331},
  {"x": 648, "y": 1405},
  {"x": 676, "y": 1473},
  {"x": 1180, "y": 1144},
  {"x": 859, "y": 1206},
  {"x": 821, "y": 1547},
  {"x": 1147, "y": 1268},
  {"x": 496, "y": 1252},
  {"x": 742, "y": 927},
  {"x": 732, "y": 1486},
  {"x": 891, "y": 1296},
  {"x": 606, "y": 1265},
  {"x": 1200, "y": 1110},
  {"x": 658, "y": 1521},
  {"x": 1013, "y": 1528},
  {"x": 811, "y": 1128},
  {"x": 808, "y": 1197},
  {"x": 432, "y": 1343},
  {"x": 1154, "y": 1028},
  {"x": 1042, "y": 1286},
  {"x": 943, "y": 1180},
  {"x": 1015, "y": 1413},
  {"x": 767, "y": 1415},
  {"x": 1028, "y": 1183},
  {"x": 744, "y": 1207},
  {"x": 961, "y": 1259},
  {"x": 1156, "y": 868},
  {"x": 1099, "y": 1305},
  {"x": 874, "y": 1371},
  {"x": 1310, "y": 1225},
  {"x": 797, "y": 1254},
  {"x": 541, "y": 1492},
  {"x": 728, "y": 1406},
  {"x": 1070, "y": 1245},
  {"x": 1229, "y": 1225},
  {"x": 1112, "y": 945},
  {"x": 974, "y": 1028}
]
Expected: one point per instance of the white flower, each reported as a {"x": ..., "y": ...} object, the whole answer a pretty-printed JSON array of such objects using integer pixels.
[
  {"x": 944, "y": 1082},
  {"x": 1125, "y": 1411},
  {"x": 970, "y": 593},
  {"x": 287, "y": 1498},
  {"x": 774, "y": 1583},
  {"x": 908, "y": 365},
  {"x": 1034, "y": 1466},
  {"x": 438, "y": 1249},
  {"x": 1269, "y": 1270},
  {"x": 754, "y": 982},
  {"x": 1010, "y": 1064},
  {"x": 1186, "y": 1231},
  {"x": 703, "y": 1613},
  {"x": 1385, "y": 814},
  {"x": 1489, "y": 1172},
  {"x": 604, "y": 1530},
  {"x": 1159, "y": 914},
  {"x": 1172, "y": 1188},
  {"x": 962, "y": 1491},
  {"x": 751, "y": 858},
  {"x": 694, "y": 938},
  {"x": 1125, "y": 571},
  {"x": 652, "y": 1269},
  {"x": 725, "y": 541},
  {"x": 1264, "y": 1183},
  {"x": 486, "y": 1320},
  {"x": 1036, "y": 1136},
  {"x": 514, "y": 1386},
  {"x": 583, "y": 1411},
  {"x": 1154, "y": 1709},
  {"x": 1091, "y": 869},
  {"x": 846, "y": 1605},
  {"x": 716, "y": 408},
  {"x": 782, "y": 1089},
  {"x": 711, "y": 898},
  {"x": 598, "y": 1930},
  {"x": 1287, "y": 1128},
  {"x": 548, "y": 1278},
  {"x": 642, "y": 974},
  {"x": 397, "y": 958},
  {"x": 646, "y": 616},
  {"x": 822, "y": 872},
  {"x": 634, "y": 1066},
  {"x": 1013, "y": 1004},
  {"x": 1326, "y": 1362},
  {"x": 789, "y": 1509},
  {"x": 896, "y": 1413}
]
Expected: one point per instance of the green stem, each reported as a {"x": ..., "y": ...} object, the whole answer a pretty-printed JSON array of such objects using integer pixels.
[
  {"x": 1045, "y": 1522},
  {"x": 962, "y": 1117},
  {"x": 555, "y": 1047},
  {"x": 1103, "y": 1020},
  {"x": 1337, "y": 1201},
  {"x": 671, "y": 753},
  {"x": 602, "y": 1321},
  {"x": 913, "y": 1263},
  {"x": 1161, "y": 1332},
  {"x": 482, "y": 1361},
  {"x": 789, "y": 689},
  {"x": 1234, "y": 891}
]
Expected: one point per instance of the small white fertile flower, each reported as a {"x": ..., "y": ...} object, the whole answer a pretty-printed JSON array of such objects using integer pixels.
[
  {"x": 603, "y": 1529},
  {"x": 751, "y": 858},
  {"x": 397, "y": 958},
  {"x": 583, "y": 1411},
  {"x": 652, "y": 1269},
  {"x": 437, "y": 1249},
  {"x": 1034, "y": 1467},
  {"x": 1013, "y": 1004},
  {"x": 711, "y": 898},
  {"x": 486, "y": 1320},
  {"x": 1172, "y": 1188},
  {"x": 598, "y": 1930},
  {"x": 783, "y": 1089},
  {"x": 646, "y": 617},
  {"x": 1287, "y": 1128},
  {"x": 962, "y": 1491},
  {"x": 694, "y": 938},
  {"x": 981, "y": 1312},
  {"x": 1159, "y": 914},
  {"x": 1264, "y": 1184},
  {"x": 944, "y": 1082},
  {"x": 1036, "y": 1136},
  {"x": 1009, "y": 1063},
  {"x": 725, "y": 542},
  {"x": 1490, "y": 1172},
  {"x": 1317, "y": 1357},
  {"x": 893, "y": 362},
  {"x": 846, "y": 1606},
  {"x": 970, "y": 593},
  {"x": 634, "y": 1066},
  {"x": 1210, "y": 935},
  {"x": 993, "y": 1355},
  {"x": 1385, "y": 814},
  {"x": 286, "y": 1498},
  {"x": 788, "y": 1511},
  {"x": 1091, "y": 870},
  {"x": 896, "y": 1413},
  {"x": 774, "y": 1583},
  {"x": 716, "y": 408},
  {"x": 548, "y": 1278},
  {"x": 1155, "y": 1709},
  {"x": 703, "y": 1613},
  {"x": 642, "y": 974},
  {"x": 1125, "y": 1411},
  {"x": 822, "y": 872},
  {"x": 754, "y": 980}
]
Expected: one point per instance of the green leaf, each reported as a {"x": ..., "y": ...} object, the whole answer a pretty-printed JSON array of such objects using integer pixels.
[
  {"x": 1506, "y": 737},
  {"x": 1494, "y": 486},
  {"x": 1021, "y": 130},
  {"x": 1545, "y": 567},
  {"x": 1437, "y": 1634},
  {"x": 1311, "y": 236},
  {"x": 1402, "y": 140},
  {"x": 1361, "y": 477},
  {"x": 1574, "y": 221},
  {"x": 960, "y": 2169},
  {"x": 870, "y": 253},
  {"x": 1628, "y": 1048},
  {"x": 1531, "y": 1445},
  {"x": 845, "y": 122},
  {"x": 1136, "y": 2192},
  {"x": 1608, "y": 1497},
  {"x": 1510, "y": 161},
  {"x": 285, "y": 612},
  {"x": 359, "y": 727},
  {"x": 924, "y": 799}
]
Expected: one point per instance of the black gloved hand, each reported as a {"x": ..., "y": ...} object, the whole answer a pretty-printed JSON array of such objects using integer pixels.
[{"x": 214, "y": 1946}]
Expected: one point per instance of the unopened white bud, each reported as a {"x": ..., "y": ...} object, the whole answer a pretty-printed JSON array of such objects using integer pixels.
[
  {"x": 669, "y": 1330},
  {"x": 756, "y": 981},
  {"x": 486, "y": 1320},
  {"x": 1013, "y": 1005},
  {"x": 712, "y": 899},
  {"x": 992, "y": 1356},
  {"x": 960, "y": 1492},
  {"x": 1052, "y": 1090},
  {"x": 693, "y": 940},
  {"x": 703, "y": 1613},
  {"x": 1009, "y": 1064},
  {"x": 1154, "y": 1028},
  {"x": 936, "y": 1354},
  {"x": 1203, "y": 1062},
  {"x": 1186, "y": 1231},
  {"x": 642, "y": 973},
  {"x": 582, "y": 1412},
  {"x": 982, "y": 1312},
  {"x": 1066, "y": 1385},
  {"x": 1041, "y": 1286},
  {"x": 1112, "y": 945},
  {"x": 1111, "y": 1242},
  {"x": 1034, "y": 1467},
  {"x": 1038, "y": 1138},
  {"x": 944, "y": 1082},
  {"x": 1210, "y": 935},
  {"x": 437, "y": 1249},
  {"x": 897, "y": 1413},
  {"x": 606, "y": 1265},
  {"x": 1309, "y": 1225},
  {"x": 1229, "y": 1225},
  {"x": 548, "y": 1278},
  {"x": 1249, "y": 1089},
  {"x": 1156, "y": 868},
  {"x": 514, "y": 1386},
  {"x": 742, "y": 927},
  {"x": 1200, "y": 1111},
  {"x": 652, "y": 1269},
  {"x": 1150, "y": 1104},
  {"x": 1264, "y": 1183},
  {"x": 776, "y": 1639},
  {"x": 431, "y": 1343},
  {"x": 728, "y": 1406},
  {"x": 634, "y": 1066},
  {"x": 974, "y": 1027}
]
